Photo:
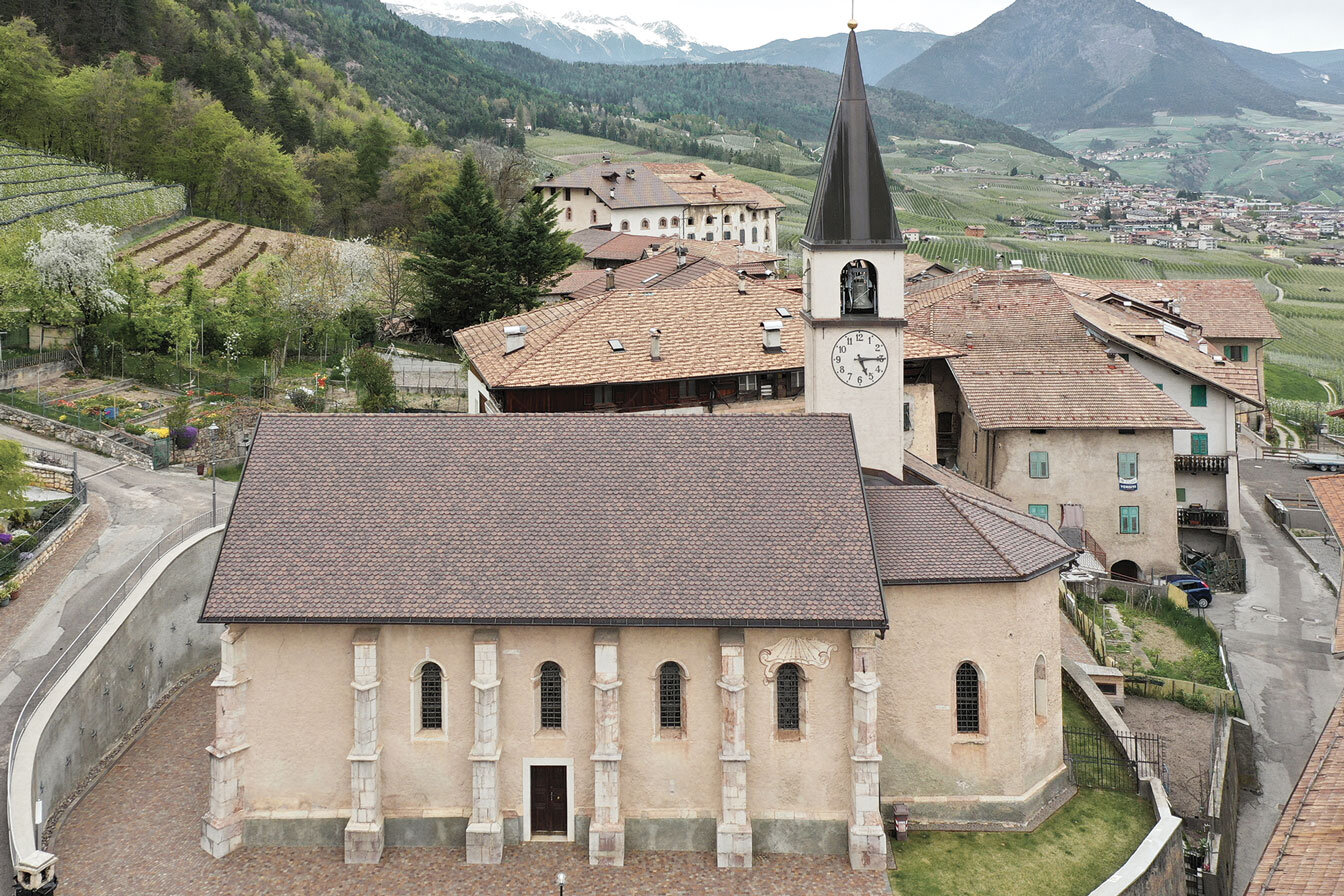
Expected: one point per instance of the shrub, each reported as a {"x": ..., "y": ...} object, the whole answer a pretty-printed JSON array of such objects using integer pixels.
[
  {"x": 185, "y": 437},
  {"x": 306, "y": 399},
  {"x": 1112, "y": 594}
]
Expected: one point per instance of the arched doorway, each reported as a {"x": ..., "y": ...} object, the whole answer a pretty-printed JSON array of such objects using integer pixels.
[{"x": 1126, "y": 570}]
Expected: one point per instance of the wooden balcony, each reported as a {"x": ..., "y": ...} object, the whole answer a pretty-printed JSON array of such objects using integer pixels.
[
  {"x": 1201, "y": 518},
  {"x": 1202, "y": 463}
]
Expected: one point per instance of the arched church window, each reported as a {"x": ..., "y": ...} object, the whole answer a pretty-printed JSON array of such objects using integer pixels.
[
  {"x": 788, "y": 706},
  {"x": 968, "y": 699},
  {"x": 552, "y": 696},
  {"x": 625, "y": 225},
  {"x": 662, "y": 223},
  {"x": 431, "y": 697},
  {"x": 669, "y": 696},
  {"x": 858, "y": 288},
  {"x": 676, "y": 222},
  {"x": 1042, "y": 688},
  {"x": 644, "y": 224}
]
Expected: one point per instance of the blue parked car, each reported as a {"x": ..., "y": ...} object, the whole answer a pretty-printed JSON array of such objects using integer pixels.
[{"x": 1197, "y": 591}]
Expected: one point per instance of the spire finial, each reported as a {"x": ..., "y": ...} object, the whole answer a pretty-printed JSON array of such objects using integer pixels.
[{"x": 853, "y": 22}]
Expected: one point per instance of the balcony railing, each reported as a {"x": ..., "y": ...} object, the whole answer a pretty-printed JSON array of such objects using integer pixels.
[
  {"x": 1201, "y": 463},
  {"x": 1199, "y": 517}
]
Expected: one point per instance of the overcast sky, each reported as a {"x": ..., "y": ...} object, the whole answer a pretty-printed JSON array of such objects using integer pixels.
[{"x": 1278, "y": 27}]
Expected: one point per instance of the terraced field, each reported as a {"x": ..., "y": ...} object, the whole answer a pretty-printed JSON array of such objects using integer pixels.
[
  {"x": 39, "y": 190},
  {"x": 1311, "y": 283},
  {"x": 218, "y": 249}
]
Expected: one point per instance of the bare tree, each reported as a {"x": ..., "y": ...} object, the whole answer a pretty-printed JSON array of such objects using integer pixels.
[{"x": 508, "y": 172}]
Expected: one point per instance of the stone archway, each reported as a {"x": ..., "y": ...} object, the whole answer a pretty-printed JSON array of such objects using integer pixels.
[{"x": 1127, "y": 570}]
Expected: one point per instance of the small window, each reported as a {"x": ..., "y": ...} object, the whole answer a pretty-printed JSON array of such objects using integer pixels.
[
  {"x": 669, "y": 696},
  {"x": 644, "y": 224},
  {"x": 1129, "y": 521},
  {"x": 662, "y": 223},
  {"x": 676, "y": 222},
  {"x": 690, "y": 222},
  {"x": 616, "y": 345},
  {"x": 1199, "y": 443},
  {"x": 566, "y": 194},
  {"x": 1199, "y": 396},
  {"x": 909, "y": 423},
  {"x": 1180, "y": 496},
  {"x": 552, "y": 696},
  {"x": 788, "y": 711},
  {"x": 1040, "y": 511},
  {"x": 1236, "y": 352},
  {"x": 728, "y": 234},
  {"x": 754, "y": 235},
  {"x": 605, "y": 394},
  {"x": 709, "y": 236},
  {"x": 686, "y": 388},
  {"x": 431, "y": 697},
  {"x": 968, "y": 699},
  {"x": 727, "y": 219},
  {"x": 569, "y": 214},
  {"x": 753, "y": 216},
  {"x": 1127, "y": 464},
  {"x": 1041, "y": 681},
  {"x": 747, "y": 383},
  {"x": 767, "y": 231},
  {"x": 1039, "y": 465},
  {"x": 592, "y": 216}
]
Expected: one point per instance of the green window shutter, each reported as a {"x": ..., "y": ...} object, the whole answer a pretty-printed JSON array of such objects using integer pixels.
[
  {"x": 1129, "y": 521},
  {"x": 1180, "y": 495},
  {"x": 1160, "y": 387},
  {"x": 1039, "y": 465},
  {"x": 1199, "y": 443},
  {"x": 1199, "y": 396},
  {"x": 1127, "y": 464},
  {"x": 1040, "y": 511}
]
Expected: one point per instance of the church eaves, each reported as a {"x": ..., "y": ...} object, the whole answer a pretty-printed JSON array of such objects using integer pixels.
[{"x": 852, "y": 204}]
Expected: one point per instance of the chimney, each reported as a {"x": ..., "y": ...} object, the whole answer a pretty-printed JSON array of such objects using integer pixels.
[
  {"x": 611, "y": 279},
  {"x": 514, "y": 338},
  {"x": 681, "y": 256},
  {"x": 772, "y": 332},
  {"x": 630, "y": 173},
  {"x": 742, "y": 283},
  {"x": 655, "y": 344},
  {"x": 612, "y": 193}
]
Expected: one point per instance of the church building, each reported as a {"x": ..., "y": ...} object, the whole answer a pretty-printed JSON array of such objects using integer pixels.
[{"x": 734, "y": 634}]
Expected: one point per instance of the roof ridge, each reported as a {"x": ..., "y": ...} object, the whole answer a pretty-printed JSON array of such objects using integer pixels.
[{"x": 574, "y": 315}]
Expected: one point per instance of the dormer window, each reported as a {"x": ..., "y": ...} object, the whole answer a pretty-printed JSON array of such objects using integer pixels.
[{"x": 858, "y": 288}]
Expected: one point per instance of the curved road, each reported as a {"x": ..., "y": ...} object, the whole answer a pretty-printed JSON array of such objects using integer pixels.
[{"x": 130, "y": 509}]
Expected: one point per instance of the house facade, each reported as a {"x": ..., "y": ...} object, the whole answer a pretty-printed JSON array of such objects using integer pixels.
[{"x": 684, "y": 200}]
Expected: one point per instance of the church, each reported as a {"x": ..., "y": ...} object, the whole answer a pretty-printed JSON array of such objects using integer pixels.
[{"x": 733, "y": 634}]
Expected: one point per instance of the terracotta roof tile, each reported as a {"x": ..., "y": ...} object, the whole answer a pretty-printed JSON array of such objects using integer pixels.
[
  {"x": 710, "y": 187},
  {"x": 567, "y": 518},
  {"x": 656, "y": 272},
  {"x": 708, "y": 329},
  {"x": 1029, "y": 362},
  {"x": 1329, "y": 491},
  {"x": 928, "y": 534},
  {"x": 1225, "y": 309},
  {"x": 615, "y": 188},
  {"x": 917, "y": 265}
]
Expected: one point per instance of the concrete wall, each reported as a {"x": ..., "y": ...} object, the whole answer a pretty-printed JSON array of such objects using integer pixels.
[
  {"x": 33, "y": 374},
  {"x": 298, "y": 791},
  {"x": 146, "y": 647},
  {"x": 1224, "y": 803},
  {"x": 1083, "y": 471},
  {"x": 922, "y": 441},
  {"x": 1008, "y": 774}
]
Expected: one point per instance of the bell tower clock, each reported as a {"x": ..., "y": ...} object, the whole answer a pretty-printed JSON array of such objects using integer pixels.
[{"x": 854, "y": 283}]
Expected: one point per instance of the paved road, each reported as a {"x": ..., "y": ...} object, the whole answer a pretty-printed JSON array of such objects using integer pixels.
[
  {"x": 141, "y": 507},
  {"x": 1278, "y": 636}
]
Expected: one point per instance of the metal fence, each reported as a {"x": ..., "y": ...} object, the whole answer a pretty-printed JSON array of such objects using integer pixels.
[
  {"x": 147, "y": 559},
  {"x": 1101, "y": 759},
  {"x": 15, "y": 362}
]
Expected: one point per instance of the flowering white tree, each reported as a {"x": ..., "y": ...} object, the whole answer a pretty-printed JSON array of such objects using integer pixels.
[{"x": 75, "y": 262}]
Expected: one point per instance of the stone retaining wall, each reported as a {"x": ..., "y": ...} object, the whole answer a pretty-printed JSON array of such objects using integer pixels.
[
  {"x": 33, "y": 374},
  {"x": 73, "y": 435},
  {"x": 1157, "y": 867},
  {"x": 151, "y": 643},
  {"x": 61, "y": 479},
  {"x": 48, "y": 549}
]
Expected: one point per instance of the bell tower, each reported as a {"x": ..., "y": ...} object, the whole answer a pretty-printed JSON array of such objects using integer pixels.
[{"x": 854, "y": 282}]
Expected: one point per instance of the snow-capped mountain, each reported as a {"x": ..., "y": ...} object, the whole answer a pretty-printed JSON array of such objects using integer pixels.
[{"x": 573, "y": 36}]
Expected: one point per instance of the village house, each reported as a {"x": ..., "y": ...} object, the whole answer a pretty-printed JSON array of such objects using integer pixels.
[
  {"x": 687, "y": 200},
  {"x": 736, "y": 634},
  {"x": 1035, "y": 409}
]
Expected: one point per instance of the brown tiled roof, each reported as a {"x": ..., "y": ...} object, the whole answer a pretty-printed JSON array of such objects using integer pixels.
[
  {"x": 926, "y": 292},
  {"x": 709, "y": 329},
  {"x": 681, "y": 178},
  {"x": 928, "y": 534},
  {"x": 573, "y": 281},
  {"x": 916, "y": 264},
  {"x": 1305, "y": 854},
  {"x": 1123, "y": 330},
  {"x": 726, "y": 252},
  {"x": 918, "y": 471},
  {"x": 1029, "y": 362},
  {"x": 567, "y": 518},
  {"x": 1225, "y": 309},
  {"x": 643, "y": 189},
  {"x": 624, "y": 247},
  {"x": 590, "y": 238},
  {"x": 1329, "y": 491},
  {"x": 656, "y": 272},
  {"x": 915, "y": 347}
]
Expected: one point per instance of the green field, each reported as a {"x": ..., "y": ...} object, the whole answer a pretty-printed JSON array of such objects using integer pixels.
[{"x": 1282, "y": 381}]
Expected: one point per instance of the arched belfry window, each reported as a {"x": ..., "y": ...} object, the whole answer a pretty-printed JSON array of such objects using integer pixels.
[
  {"x": 968, "y": 699},
  {"x": 552, "y": 691},
  {"x": 431, "y": 697},
  {"x": 858, "y": 287}
]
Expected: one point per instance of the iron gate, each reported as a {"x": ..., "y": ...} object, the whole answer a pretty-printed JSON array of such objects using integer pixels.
[{"x": 1102, "y": 761}]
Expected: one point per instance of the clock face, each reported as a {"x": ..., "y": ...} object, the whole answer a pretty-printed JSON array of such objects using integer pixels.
[{"x": 859, "y": 358}]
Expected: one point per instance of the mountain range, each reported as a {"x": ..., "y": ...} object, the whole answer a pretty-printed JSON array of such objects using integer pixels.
[
  {"x": 1055, "y": 65},
  {"x": 1329, "y": 61},
  {"x": 883, "y": 50},
  {"x": 571, "y": 37}
]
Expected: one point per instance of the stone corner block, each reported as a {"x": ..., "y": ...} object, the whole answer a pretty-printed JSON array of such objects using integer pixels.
[
  {"x": 485, "y": 843},
  {"x": 364, "y": 843},
  {"x": 606, "y": 845},
  {"x": 867, "y": 848},
  {"x": 221, "y": 837},
  {"x": 734, "y": 846}
]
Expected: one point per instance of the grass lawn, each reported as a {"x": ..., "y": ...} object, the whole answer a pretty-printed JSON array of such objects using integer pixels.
[
  {"x": 1076, "y": 849},
  {"x": 1282, "y": 381}
]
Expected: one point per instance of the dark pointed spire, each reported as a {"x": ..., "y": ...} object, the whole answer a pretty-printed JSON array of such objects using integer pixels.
[{"x": 852, "y": 204}]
